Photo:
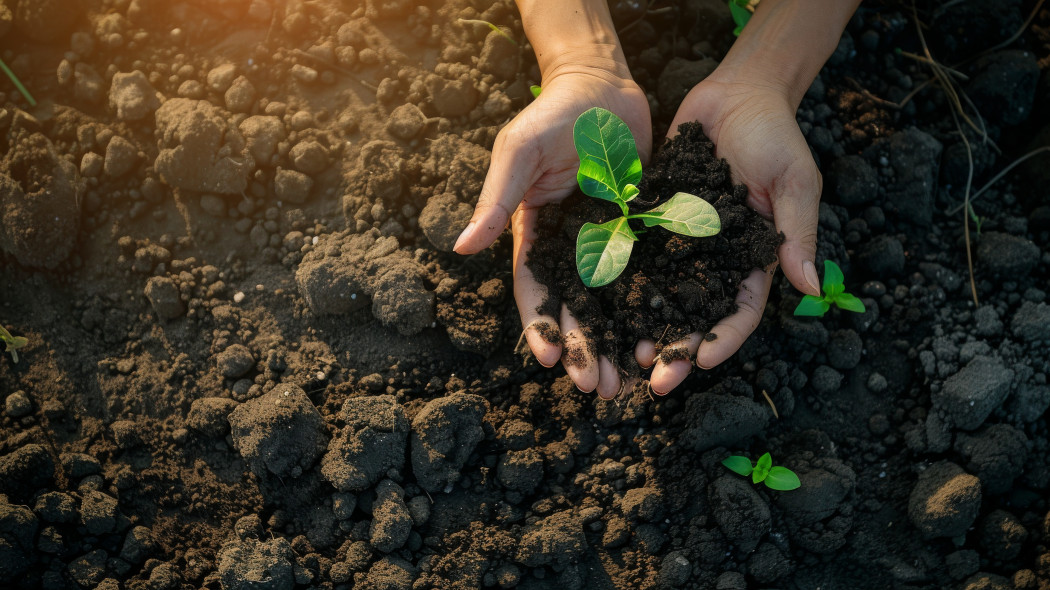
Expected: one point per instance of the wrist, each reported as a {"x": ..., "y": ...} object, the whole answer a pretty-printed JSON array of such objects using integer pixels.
[
  {"x": 785, "y": 44},
  {"x": 571, "y": 36}
]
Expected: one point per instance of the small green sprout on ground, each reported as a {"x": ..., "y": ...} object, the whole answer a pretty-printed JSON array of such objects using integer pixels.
[
  {"x": 741, "y": 11},
  {"x": 18, "y": 84},
  {"x": 834, "y": 293},
  {"x": 535, "y": 90},
  {"x": 609, "y": 170},
  {"x": 774, "y": 476},
  {"x": 13, "y": 342},
  {"x": 475, "y": 21}
]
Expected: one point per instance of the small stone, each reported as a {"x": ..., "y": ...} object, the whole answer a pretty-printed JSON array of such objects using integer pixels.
[
  {"x": 132, "y": 96},
  {"x": 292, "y": 186},
  {"x": 406, "y": 121},
  {"x": 221, "y": 77},
  {"x": 945, "y": 501},
  {"x": 18, "y": 405},
  {"x": 309, "y": 157},
  {"x": 164, "y": 297},
  {"x": 240, "y": 96},
  {"x": 235, "y": 361},
  {"x": 121, "y": 157}
]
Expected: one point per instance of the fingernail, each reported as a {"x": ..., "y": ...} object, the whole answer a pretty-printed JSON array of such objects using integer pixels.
[
  {"x": 463, "y": 237},
  {"x": 810, "y": 272}
]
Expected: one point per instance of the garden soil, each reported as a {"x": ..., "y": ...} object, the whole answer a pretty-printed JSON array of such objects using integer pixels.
[{"x": 254, "y": 362}]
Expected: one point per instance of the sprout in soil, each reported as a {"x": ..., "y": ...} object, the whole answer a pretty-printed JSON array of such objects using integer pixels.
[
  {"x": 13, "y": 342},
  {"x": 775, "y": 477},
  {"x": 18, "y": 84},
  {"x": 609, "y": 170},
  {"x": 834, "y": 293}
]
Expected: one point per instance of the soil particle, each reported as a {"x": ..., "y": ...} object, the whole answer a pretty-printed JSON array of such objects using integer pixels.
[
  {"x": 499, "y": 57},
  {"x": 1031, "y": 322},
  {"x": 844, "y": 349},
  {"x": 309, "y": 157},
  {"x": 819, "y": 516},
  {"x": 444, "y": 434},
  {"x": 883, "y": 257},
  {"x": 18, "y": 405},
  {"x": 741, "y": 514},
  {"x": 995, "y": 454},
  {"x": 554, "y": 541},
  {"x": 970, "y": 395},
  {"x": 374, "y": 440},
  {"x": 914, "y": 157},
  {"x": 391, "y": 520},
  {"x": 390, "y": 573},
  {"x": 39, "y": 203},
  {"x": 207, "y": 416},
  {"x": 945, "y": 501},
  {"x": 1006, "y": 256},
  {"x": 443, "y": 219},
  {"x": 263, "y": 134},
  {"x": 199, "y": 151},
  {"x": 121, "y": 157},
  {"x": 291, "y": 186},
  {"x": 451, "y": 98},
  {"x": 132, "y": 97},
  {"x": 24, "y": 471},
  {"x": 852, "y": 181},
  {"x": 235, "y": 361},
  {"x": 163, "y": 296},
  {"x": 1005, "y": 86},
  {"x": 88, "y": 85},
  {"x": 98, "y": 512},
  {"x": 251, "y": 564},
  {"x": 401, "y": 301},
  {"x": 279, "y": 433},
  {"x": 716, "y": 418},
  {"x": 986, "y": 581},
  {"x": 520, "y": 471},
  {"x": 1002, "y": 535},
  {"x": 643, "y": 504},
  {"x": 18, "y": 528},
  {"x": 472, "y": 323}
]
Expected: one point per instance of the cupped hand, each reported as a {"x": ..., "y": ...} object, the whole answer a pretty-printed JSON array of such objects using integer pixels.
[
  {"x": 534, "y": 162},
  {"x": 753, "y": 127}
]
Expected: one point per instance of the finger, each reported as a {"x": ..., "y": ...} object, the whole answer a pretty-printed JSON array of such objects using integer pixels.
[
  {"x": 514, "y": 168},
  {"x": 674, "y": 364},
  {"x": 541, "y": 330},
  {"x": 579, "y": 358},
  {"x": 608, "y": 378},
  {"x": 731, "y": 332},
  {"x": 796, "y": 205},
  {"x": 645, "y": 353}
]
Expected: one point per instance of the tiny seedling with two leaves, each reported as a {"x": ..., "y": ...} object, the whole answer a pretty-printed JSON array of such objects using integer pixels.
[
  {"x": 610, "y": 170},
  {"x": 834, "y": 294},
  {"x": 775, "y": 477},
  {"x": 12, "y": 343}
]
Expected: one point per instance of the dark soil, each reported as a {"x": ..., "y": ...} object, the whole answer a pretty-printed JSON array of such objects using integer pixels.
[
  {"x": 674, "y": 285},
  {"x": 252, "y": 361}
]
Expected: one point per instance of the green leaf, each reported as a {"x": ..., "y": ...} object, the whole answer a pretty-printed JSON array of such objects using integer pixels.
[
  {"x": 602, "y": 251},
  {"x": 782, "y": 479},
  {"x": 833, "y": 291},
  {"x": 738, "y": 464},
  {"x": 740, "y": 15},
  {"x": 684, "y": 214},
  {"x": 850, "y": 303},
  {"x": 535, "y": 90},
  {"x": 762, "y": 468},
  {"x": 832, "y": 275},
  {"x": 629, "y": 193},
  {"x": 812, "y": 306},
  {"x": 608, "y": 155}
]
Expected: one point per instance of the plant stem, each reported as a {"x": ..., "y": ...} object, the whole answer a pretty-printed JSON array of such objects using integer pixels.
[{"x": 17, "y": 83}]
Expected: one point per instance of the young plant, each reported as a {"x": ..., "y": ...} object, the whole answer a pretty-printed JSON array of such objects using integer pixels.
[
  {"x": 535, "y": 90},
  {"x": 834, "y": 293},
  {"x": 610, "y": 170},
  {"x": 18, "y": 84},
  {"x": 741, "y": 11},
  {"x": 13, "y": 342},
  {"x": 775, "y": 477}
]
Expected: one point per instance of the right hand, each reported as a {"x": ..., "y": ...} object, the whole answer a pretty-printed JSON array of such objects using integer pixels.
[{"x": 534, "y": 162}]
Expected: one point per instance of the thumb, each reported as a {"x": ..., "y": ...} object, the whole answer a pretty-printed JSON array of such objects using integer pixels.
[
  {"x": 513, "y": 169},
  {"x": 795, "y": 200}
]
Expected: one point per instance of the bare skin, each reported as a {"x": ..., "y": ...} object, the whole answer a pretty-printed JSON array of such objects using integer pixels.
[{"x": 747, "y": 107}]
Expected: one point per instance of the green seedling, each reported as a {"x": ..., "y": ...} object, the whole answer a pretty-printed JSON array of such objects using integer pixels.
[
  {"x": 476, "y": 21},
  {"x": 741, "y": 11},
  {"x": 18, "y": 84},
  {"x": 977, "y": 219},
  {"x": 763, "y": 471},
  {"x": 13, "y": 342},
  {"x": 610, "y": 170},
  {"x": 535, "y": 90},
  {"x": 834, "y": 293}
]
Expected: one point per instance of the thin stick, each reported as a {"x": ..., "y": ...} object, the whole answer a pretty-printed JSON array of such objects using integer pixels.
[
  {"x": 18, "y": 83},
  {"x": 771, "y": 404},
  {"x": 929, "y": 61},
  {"x": 966, "y": 205},
  {"x": 1016, "y": 35},
  {"x": 999, "y": 176}
]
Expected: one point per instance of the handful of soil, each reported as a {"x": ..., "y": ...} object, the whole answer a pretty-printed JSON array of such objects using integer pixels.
[{"x": 673, "y": 285}]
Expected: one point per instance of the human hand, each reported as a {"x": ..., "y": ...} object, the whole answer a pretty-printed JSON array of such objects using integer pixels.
[
  {"x": 753, "y": 127},
  {"x": 534, "y": 162}
]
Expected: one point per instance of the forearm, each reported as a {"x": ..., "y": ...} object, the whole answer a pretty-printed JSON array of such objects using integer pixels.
[
  {"x": 571, "y": 34},
  {"x": 786, "y": 42}
]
